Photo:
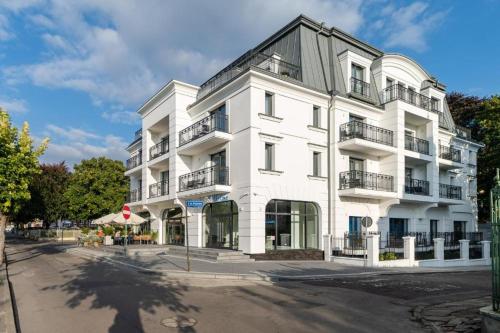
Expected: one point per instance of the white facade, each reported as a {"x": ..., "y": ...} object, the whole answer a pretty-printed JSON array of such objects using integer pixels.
[{"x": 368, "y": 171}]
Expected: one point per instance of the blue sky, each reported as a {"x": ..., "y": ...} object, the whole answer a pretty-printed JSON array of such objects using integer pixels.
[{"x": 78, "y": 70}]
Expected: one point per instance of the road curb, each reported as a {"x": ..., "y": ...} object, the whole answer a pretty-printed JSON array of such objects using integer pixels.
[
  {"x": 7, "y": 305},
  {"x": 257, "y": 276}
]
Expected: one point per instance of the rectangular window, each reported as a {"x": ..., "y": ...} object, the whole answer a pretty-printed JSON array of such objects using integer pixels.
[
  {"x": 354, "y": 224},
  {"x": 398, "y": 227},
  {"x": 388, "y": 82},
  {"x": 269, "y": 156},
  {"x": 435, "y": 104},
  {"x": 434, "y": 229},
  {"x": 355, "y": 164},
  {"x": 269, "y": 104},
  {"x": 353, "y": 117},
  {"x": 408, "y": 173},
  {"x": 317, "y": 164},
  {"x": 316, "y": 116},
  {"x": 357, "y": 72}
]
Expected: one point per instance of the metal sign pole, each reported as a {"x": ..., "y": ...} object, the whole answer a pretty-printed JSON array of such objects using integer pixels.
[{"x": 188, "y": 259}]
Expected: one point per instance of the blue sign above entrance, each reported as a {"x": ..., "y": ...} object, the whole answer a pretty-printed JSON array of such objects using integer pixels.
[{"x": 194, "y": 203}]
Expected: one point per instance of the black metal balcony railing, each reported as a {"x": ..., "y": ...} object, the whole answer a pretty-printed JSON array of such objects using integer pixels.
[
  {"x": 415, "y": 144},
  {"x": 397, "y": 91},
  {"x": 360, "y": 87},
  {"x": 158, "y": 189},
  {"x": 358, "y": 129},
  {"x": 134, "y": 195},
  {"x": 134, "y": 161},
  {"x": 450, "y": 191},
  {"x": 366, "y": 180},
  {"x": 214, "y": 175},
  {"x": 214, "y": 122},
  {"x": 450, "y": 153},
  {"x": 259, "y": 60},
  {"x": 159, "y": 149},
  {"x": 416, "y": 186}
]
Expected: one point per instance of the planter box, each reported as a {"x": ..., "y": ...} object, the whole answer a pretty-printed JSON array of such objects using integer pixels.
[{"x": 108, "y": 240}]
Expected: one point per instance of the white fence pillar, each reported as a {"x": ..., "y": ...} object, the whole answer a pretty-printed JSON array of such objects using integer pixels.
[
  {"x": 486, "y": 249},
  {"x": 372, "y": 250},
  {"x": 409, "y": 248},
  {"x": 439, "y": 248},
  {"x": 464, "y": 248},
  {"x": 327, "y": 247}
]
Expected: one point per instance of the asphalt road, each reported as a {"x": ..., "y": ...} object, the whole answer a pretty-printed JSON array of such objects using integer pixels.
[{"x": 58, "y": 292}]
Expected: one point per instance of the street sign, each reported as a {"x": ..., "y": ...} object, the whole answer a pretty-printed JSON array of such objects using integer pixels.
[
  {"x": 366, "y": 221},
  {"x": 194, "y": 203},
  {"x": 126, "y": 212}
]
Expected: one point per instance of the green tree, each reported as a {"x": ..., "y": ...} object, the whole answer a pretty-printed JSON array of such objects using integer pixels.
[
  {"x": 482, "y": 116},
  {"x": 18, "y": 165},
  {"x": 97, "y": 187},
  {"x": 47, "y": 202}
]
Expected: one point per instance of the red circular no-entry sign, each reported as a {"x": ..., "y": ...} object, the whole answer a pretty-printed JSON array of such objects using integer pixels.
[{"x": 126, "y": 212}]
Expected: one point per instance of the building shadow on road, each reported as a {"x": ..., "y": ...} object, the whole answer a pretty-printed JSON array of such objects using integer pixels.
[{"x": 128, "y": 292}]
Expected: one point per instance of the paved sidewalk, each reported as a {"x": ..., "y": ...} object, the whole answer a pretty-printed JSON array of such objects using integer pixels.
[{"x": 176, "y": 266}]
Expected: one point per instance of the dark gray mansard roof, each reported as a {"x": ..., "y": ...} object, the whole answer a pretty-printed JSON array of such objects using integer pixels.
[{"x": 314, "y": 49}]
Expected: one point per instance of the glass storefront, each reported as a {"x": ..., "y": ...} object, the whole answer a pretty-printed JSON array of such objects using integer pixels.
[
  {"x": 221, "y": 225},
  {"x": 174, "y": 226},
  {"x": 291, "y": 225}
]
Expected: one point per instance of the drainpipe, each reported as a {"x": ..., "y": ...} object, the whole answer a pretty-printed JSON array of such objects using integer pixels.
[{"x": 331, "y": 102}]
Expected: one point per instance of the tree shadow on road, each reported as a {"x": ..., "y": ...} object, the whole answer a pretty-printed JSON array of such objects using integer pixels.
[{"x": 128, "y": 292}]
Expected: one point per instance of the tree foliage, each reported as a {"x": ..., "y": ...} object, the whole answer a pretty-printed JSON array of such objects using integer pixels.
[
  {"x": 18, "y": 165},
  {"x": 482, "y": 115},
  {"x": 97, "y": 187},
  {"x": 47, "y": 202}
]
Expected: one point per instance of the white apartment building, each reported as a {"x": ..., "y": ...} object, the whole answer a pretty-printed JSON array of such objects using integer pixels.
[{"x": 299, "y": 138}]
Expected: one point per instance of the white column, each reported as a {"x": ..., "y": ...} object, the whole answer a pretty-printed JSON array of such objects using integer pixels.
[
  {"x": 327, "y": 246},
  {"x": 372, "y": 249},
  {"x": 486, "y": 249},
  {"x": 439, "y": 248},
  {"x": 409, "y": 248},
  {"x": 464, "y": 248}
]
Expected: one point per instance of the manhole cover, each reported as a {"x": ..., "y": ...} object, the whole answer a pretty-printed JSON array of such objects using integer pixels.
[{"x": 178, "y": 322}]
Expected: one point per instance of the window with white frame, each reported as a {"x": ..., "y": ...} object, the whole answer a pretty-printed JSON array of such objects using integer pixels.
[
  {"x": 269, "y": 104},
  {"x": 269, "y": 156},
  {"x": 316, "y": 116},
  {"x": 316, "y": 170}
]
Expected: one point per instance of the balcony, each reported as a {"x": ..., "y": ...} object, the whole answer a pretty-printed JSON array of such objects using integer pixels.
[
  {"x": 262, "y": 61},
  {"x": 204, "y": 134},
  {"x": 450, "y": 193},
  {"x": 398, "y": 92},
  {"x": 360, "y": 87},
  {"x": 359, "y": 136},
  {"x": 134, "y": 195},
  {"x": 134, "y": 161},
  {"x": 366, "y": 184},
  {"x": 450, "y": 158},
  {"x": 159, "y": 149},
  {"x": 159, "y": 189},
  {"x": 211, "y": 180},
  {"x": 417, "y": 145},
  {"x": 416, "y": 186}
]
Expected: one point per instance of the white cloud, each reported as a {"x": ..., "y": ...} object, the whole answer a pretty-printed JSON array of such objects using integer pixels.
[
  {"x": 74, "y": 144},
  {"x": 410, "y": 26},
  {"x": 122, "y": 117},
  {"x": 13, "y": 105},
  {"x": 5, "y": 34}
]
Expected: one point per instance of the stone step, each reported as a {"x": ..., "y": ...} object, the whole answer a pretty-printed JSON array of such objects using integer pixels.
[{"x": 215, "y": 255}]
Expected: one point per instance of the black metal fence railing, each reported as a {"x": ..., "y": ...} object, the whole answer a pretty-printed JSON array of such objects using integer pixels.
[
  {"x": 416, "y": 186},
  {"x": 366, "y": 180},
  {"x": 263, "y": 61},
  {"x": 134, "y": 161},
  {"x": 400, "y": 92},
  {"x": 360, "y": 87},
  {"x": 450, "y": 192},
  {"x": 134, "y": 195},
  {"x": 415, "y": 144},
  {"x": 214, "y": 122},
  {"x": 161, "y": 148},
  {"x": 351, "y": 245},
  {"x": 450, "y": 153},
  {"x": 358, "y": 129},
  {"x": 158, "y": 189},
  {"x": 214, "y": 175}
]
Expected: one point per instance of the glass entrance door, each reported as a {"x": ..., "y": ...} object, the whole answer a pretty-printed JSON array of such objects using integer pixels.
[
  {"x": 174, "y": 226},
  {"x": 221, "y": 225}
]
